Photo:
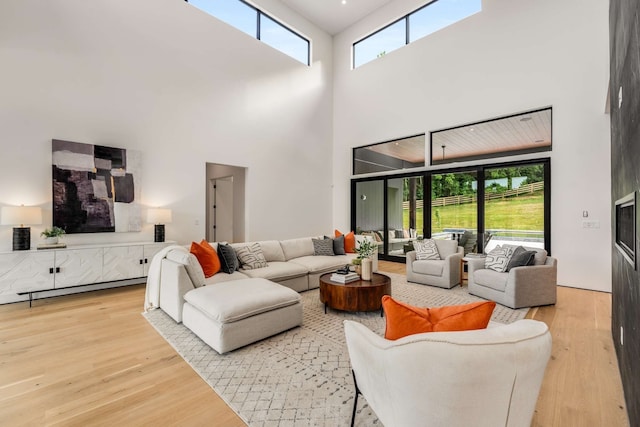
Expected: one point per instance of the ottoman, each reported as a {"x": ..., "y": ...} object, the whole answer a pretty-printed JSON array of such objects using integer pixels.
[{"x": 232, "y": 314}]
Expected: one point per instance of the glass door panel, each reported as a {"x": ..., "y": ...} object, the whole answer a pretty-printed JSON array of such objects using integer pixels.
[
  {"x": 454, "y": 208},
  {"x": 404, "y": 213},
  {"x": 514, "y": 206},
  {"x": 369, "y": 203}
]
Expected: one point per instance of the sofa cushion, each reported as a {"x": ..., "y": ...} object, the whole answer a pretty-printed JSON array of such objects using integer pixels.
[
  {"x": 236, "y": 300},
  {"x": 318, "y": 264},
  {"x": 191, "y": 264},
  {"x": 224, "y": 277},
  {"x": 294, "y": 248},
  {"x": 404, "y": 319},
  {"x": 228, "y": 258},
  {"x": 431, "y": 267},
  {"x": 446, "y": 247},
  {"x": 207, "y": 257},
  {"x": 250, "y": 256},
  {"x": 322, "y": 247},
  {"x": 541, "y": 256},
  {"x": 272, "y": 250},
  {"x": 491, "y": 279},
  {"x": 278, "y": 271},
  {"x": 426, "y": 249}
]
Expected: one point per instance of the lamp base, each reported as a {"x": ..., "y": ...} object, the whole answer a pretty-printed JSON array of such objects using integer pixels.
[
  {"x": 21, "y": 238},
  {"x": 158, "y": 234}
]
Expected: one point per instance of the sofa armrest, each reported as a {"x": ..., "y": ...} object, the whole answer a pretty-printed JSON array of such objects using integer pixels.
[{"x": 174, "y": 284}]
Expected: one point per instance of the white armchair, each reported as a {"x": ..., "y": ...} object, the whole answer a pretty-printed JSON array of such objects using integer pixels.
[
  {"x": 444, "y": 272},
  {"x": 527, "y": 286},
  {"x": 488, "y": 377}
]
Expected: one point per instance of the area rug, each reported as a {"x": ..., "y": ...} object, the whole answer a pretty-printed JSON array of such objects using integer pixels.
[{"x": 301, "y": 377}]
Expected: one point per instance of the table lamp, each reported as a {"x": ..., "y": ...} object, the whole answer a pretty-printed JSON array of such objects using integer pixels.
[
  {"x": 21, "y": 215},
  {"x": 159, "y": 217}
]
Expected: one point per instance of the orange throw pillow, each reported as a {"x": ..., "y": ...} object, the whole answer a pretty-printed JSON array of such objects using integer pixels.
[
  {"x": 349, "y": 241},
  {"x": 207, "y": 257},
  {"x": 404, "y": 319}
]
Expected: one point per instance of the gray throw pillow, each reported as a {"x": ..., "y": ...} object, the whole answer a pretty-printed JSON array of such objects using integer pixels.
[
  {"x": 520, "y": 258},
  {"x": 323, "y": 247},
  {"x": 338, "y": 244},
  {"x": 228, "y": 258}
]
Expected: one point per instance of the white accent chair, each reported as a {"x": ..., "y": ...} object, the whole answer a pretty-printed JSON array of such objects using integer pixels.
[
  {"x": 444, "y": 272},
  {"x": 489, "y": 377}
]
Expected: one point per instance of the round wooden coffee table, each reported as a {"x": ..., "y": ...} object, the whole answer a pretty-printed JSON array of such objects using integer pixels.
[{"x": 359, "y": 295}]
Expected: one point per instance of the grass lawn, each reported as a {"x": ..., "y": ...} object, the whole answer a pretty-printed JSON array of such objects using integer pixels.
[{"x": 513, "y": 213}]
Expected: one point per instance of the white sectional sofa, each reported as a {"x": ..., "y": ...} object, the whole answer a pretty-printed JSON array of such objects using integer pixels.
[
  {"x": 291, "y": 263},
  {"x": 245, "y": 306}
]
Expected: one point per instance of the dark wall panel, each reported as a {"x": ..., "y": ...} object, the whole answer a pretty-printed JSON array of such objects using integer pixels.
[{"x": 624, "y": 27}]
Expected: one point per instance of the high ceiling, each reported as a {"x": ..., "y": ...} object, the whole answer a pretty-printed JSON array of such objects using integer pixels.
[{"x": 332, "y": 15}]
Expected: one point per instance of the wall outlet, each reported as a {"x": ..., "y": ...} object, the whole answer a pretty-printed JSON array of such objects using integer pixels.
[
  {"x": 621, "y": 335},
  {"x": 590, "y": 224}
]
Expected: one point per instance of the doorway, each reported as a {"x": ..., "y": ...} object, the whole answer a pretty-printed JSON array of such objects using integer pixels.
[{"x": 225, "y": 204}]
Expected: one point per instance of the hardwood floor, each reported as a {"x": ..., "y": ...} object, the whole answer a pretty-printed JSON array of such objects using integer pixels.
[{"x": 92, "y": 359}]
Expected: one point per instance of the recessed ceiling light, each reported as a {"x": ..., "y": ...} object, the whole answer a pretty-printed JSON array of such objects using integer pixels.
[
  {"x": 471, "y": 129},
  {"x": 344, "y": 1}
]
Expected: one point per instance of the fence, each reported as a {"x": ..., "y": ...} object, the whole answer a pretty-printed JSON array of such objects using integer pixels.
[{"x": 458, "y": 200}]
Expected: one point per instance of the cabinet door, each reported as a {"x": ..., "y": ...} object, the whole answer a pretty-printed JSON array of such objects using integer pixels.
[
  {"x": 123, "y": 262},
  {"x": 149, "y": 252},
  {"x": 26, "y": 272},
  {"x": 78, "y": 267}
]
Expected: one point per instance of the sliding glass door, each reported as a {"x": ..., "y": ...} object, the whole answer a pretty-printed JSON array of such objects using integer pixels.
[
  {"x": 454, "y": 208},
  {"x": 514, "y": 207},
  {"x": 481, "y": 207}
]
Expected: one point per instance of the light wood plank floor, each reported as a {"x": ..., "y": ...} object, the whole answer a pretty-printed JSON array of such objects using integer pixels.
[{"x": 92, "y": 359}]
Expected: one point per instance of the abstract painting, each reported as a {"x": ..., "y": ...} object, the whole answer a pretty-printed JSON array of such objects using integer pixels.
[{"x": 95, "y": 188}]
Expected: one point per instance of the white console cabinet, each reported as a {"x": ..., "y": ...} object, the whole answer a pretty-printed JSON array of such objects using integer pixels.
[{"x": 24, "y": 272}]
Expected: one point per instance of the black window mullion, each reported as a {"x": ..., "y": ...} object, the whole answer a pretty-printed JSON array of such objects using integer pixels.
[
  {"x": 480, "y": 208},
  {"x": 406, "y": 28},
  {"x": 258, "y": 24}
]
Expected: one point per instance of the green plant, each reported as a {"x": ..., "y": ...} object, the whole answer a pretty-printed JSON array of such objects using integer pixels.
[
  {"x": 53, "y": 232},
  {"x": 356, "y": 261},
  {"x": 366, "y": 249}
]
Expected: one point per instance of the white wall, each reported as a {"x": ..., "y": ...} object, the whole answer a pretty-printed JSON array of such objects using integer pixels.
[
  {"x": 165, "y": 78},
  {"x": 513, "y": 56}
]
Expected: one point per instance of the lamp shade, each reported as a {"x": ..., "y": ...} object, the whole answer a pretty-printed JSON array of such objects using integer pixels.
[
  {"x": 159, "y": 216},
  {"x": 21, "y": 215}
]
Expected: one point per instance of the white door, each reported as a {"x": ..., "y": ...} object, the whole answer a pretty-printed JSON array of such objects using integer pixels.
[{"x": 221, "y": 211}]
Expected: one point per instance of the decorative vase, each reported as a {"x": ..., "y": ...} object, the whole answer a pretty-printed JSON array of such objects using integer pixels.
[
  {"x": 51, "y": 240},
  {"x": 366, "y": 269},
  {"x": 358, "y": 270}
]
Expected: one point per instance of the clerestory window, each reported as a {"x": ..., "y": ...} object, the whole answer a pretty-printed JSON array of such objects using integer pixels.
[
  {"x": 426, "y": 20},
  {"x": 258, "y": 24}
]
